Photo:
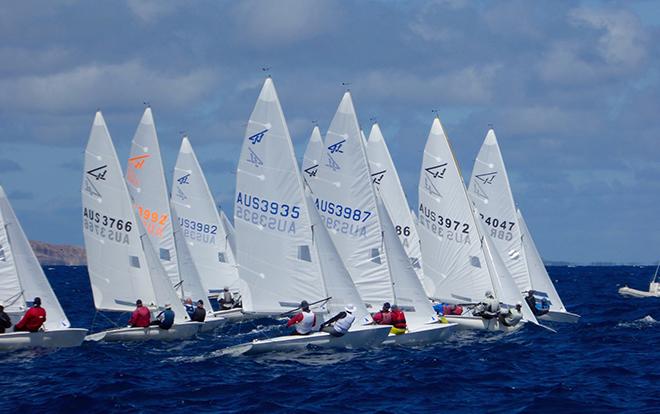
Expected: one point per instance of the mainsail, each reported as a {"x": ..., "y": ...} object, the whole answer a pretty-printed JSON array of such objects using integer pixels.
[
  {"x": 21, "y": 276},
  {"x": 201, "y": 225},
  {"x": 345, "y": 199},
  {"x": 273, "y": 229},
  {"x": 386, "y": 179},
  {"x": 147, "y": 186},
  {"x": 312, "y": 156},
  {"x": 116, "y": 264}
]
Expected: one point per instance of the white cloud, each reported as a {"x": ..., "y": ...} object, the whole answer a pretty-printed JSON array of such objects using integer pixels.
[{"x": 151, "y": 10}]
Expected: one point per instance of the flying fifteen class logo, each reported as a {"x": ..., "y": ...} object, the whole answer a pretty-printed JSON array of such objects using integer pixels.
[
  {"x": 376, "y": 178},
  {"x": 256, "y": 138},
  {"x": 486, "y": 178},
  {"x": 332, "y": 163},
  {"x": 336, "y": 147},
  {"x": 311, "y": 171},
  {"x": 180, "y": 194},
  {"x": 437, "y": 171},
  {"x": 184, "y": 179},
  {"x": 138, "y": 162},
  {"x": 254, "y": 159}
]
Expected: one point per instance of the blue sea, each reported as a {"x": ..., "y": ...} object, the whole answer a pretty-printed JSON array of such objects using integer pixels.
[{"x": 609, "y": 362}]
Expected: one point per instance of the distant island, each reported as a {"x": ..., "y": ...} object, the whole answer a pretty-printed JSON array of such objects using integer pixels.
[{"x": 58, "y": 254}]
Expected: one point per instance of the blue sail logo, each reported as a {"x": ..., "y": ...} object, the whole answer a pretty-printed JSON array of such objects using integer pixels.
[
  {"x": 336, "y": 147},
  {"x": 254, "y": 159},
  {"x": 184, "y": 179},
  {"x": 256, "y": 138}
]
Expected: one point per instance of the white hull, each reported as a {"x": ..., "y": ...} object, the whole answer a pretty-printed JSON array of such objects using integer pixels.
[
  {"x": 62, "y": 338},
  {"x": 356, "y": 338},
  {"x": 560, "y": 317},
  {"x": 212, "y": 323},
  {"x": 634, "y": 293},
  {"x": 178, "y": 331},
  {"x": 475, "y": 322},
  {"x": 426, "y": 334}
]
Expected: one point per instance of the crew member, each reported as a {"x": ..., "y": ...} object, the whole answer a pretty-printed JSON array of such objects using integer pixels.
[
  {"x": 165, "y": 319},
  {"x": 511, "y": 316},
  {"x": 531, "y": 302},
  {"x": 190, "y": 308},
  {"x": 5, "y": 320},
  {"x": 339, "y": 324},
  {"x": 200, "y": 313},
  {"x": 33, "y": 319},
  {"x": 488, "y": 308},
  {"x": 140, "y": 317},
  {"x": 398, "y": 321},
  {"x": 227, "y": 300},
  {"x": 303, "y": 321},
  {"x": 384, "y": 317}
]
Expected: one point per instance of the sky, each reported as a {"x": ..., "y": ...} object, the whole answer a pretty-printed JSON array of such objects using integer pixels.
[{"x": 572, "y": 89}]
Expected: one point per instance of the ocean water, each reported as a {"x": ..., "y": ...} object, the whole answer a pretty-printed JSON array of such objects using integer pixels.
[{"x": 609, "y": 362}]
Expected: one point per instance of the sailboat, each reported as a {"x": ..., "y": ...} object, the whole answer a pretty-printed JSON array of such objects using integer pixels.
[
  {"x": 204, "y": 231},
  {"x": 148, "y": 189},
  {"x": 121, "y": 261},
  {"x": 461, "y": 263},
  {"x": 490, "y": 191},
  {"x": 21, "y": 280},
  {"x": 363, "y": 233},
  {"x": 653, "y": 292},
  {"x": 386, "y": 179},
  {"x": 284, "y": 254}
]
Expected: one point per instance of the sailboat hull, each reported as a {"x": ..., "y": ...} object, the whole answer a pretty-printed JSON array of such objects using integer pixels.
[
  {"x": 176, "y": 332},
  {"x": 212, "y": 323},
  {"x": 357, "y": 338},
  {"x": 475, "y": 322},
  {"x": 62, "y": 338},
  {"x": 634, "y": 293},
  {"x": 560, "y": 317},
  {"x": 426, "y": 334},
  {"x": 236, "y": 313}
]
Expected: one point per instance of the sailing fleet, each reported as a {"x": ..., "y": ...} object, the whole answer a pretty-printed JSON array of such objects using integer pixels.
[{"x": 336, "y": 231}]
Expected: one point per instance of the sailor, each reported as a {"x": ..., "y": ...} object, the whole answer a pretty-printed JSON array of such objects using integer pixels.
[
  {"x": 227, "y": 300},
  {"x": 531, "y": 302},
  {"x": 384, "y": 317},
  {"x": 398, "y": 321},
  {"x": 5, "y": 320},
  {"x": 447, "y": 309},
  {"x": 33, "y": 319},
  {"x": 511, "y": 316},
  {"x": 339, "y": 324},
  {"x": 200, "y": 313},
  {"x": 140, "y": 316},
  {"x": 190, "y": 308},
  {"x": 165, "y": 319},
  {"x": 488, "y": 308},
  {"x": 303, "y": 321}
]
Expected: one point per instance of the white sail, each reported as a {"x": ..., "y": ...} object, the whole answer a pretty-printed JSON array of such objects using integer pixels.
[
  {"x": 540, "y": 280},
  {"x": 313, "y": 154},
  {"x": 386, "y": 179},
  {"x": 230, "y": 232},
  {"x": 338, "y": 282},
  {"x": 454, "y": 260},
  {"x": 21, "y": 276},
  {"x": 491, "y": 193},
  {"x": 147, "y": 186},
  {"x": 274, "y": 237},
  {"x": 192, "y": 284},
  {"x": 117, "y": 268},
  {"x": 409, "y": 292},
  {"x": 346, "y": 201},
  {"x": 201, "y": 224}
]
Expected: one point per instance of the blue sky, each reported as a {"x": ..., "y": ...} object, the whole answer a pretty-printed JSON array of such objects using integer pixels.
[{"x": 572, "y": 89}]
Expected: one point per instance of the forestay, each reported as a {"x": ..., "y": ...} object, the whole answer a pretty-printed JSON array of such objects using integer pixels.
[
  {"x": 147, "y": 186},
  {"x": 385, "y": 177},
  {"x": 491, "y": 193},
  {"x": 274, "y": 236},
  {"x": 116, "y": 264},
  {"x": 201, "y": 225},
  {"x": 454, "y": 260},
  {"x": 540, "y": 280},
  {"x": 21, "y": 276},
  {"x": 409, "y": 292},
  {"x": 346, "y": 201}
]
